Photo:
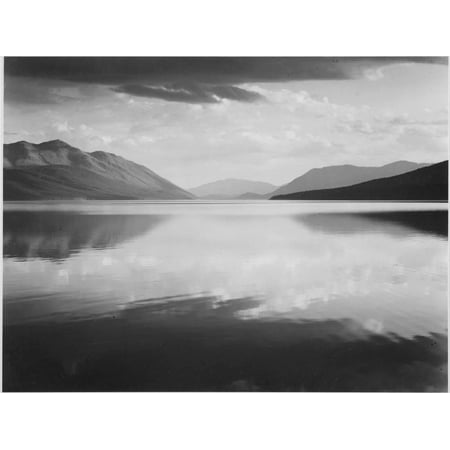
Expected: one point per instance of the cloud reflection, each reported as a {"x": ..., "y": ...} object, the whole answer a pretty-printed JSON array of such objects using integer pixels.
[{"x": 381, "y": 271}]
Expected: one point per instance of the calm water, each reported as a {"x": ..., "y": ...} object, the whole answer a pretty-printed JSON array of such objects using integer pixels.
[{"x": 268, "y": 296}]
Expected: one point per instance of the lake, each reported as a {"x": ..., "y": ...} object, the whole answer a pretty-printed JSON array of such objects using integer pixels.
[{"x": 225, "y": 296}]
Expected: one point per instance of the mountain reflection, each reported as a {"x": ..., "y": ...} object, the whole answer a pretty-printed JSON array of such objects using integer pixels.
[
  {"x": 57, "y": 235},
  {"x": 394, "y": 223}
]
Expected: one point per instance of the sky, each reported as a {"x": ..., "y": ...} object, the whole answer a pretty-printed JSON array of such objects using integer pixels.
[{"x": 197, "y": 120}]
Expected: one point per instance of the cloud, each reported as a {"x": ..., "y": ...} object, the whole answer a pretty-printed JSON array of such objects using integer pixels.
[
  {"x": 199, "y": 79},
  {"x": 389, "y": 124},
  {"x": 62, "y": 127},
  {"x": 374, "y": 74},
  {"x": 214, "y": 70},
  {"x": 40, "y": 91},
  {"x": 424, "y": 138},
  {"x": 31, "y": 92},
  {"x": 355, "y": 126},
  {"x": 404, "y": 120},
  {"x": 190, "y": 93}
]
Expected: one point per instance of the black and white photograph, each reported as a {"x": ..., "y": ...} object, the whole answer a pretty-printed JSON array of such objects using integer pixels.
[{"x": 223, "y": 224}]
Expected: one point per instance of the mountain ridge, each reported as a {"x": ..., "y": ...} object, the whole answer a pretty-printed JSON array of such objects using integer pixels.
[
  {"x": 56, "y": 170},
  {"x": 428, "y": 183},
  {"x": 231, "y": 188},
  {"x": 329, "y": 177}
]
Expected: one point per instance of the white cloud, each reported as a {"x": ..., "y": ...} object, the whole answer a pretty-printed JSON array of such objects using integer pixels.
[
  {"x": 374, "y": 74},
  {"x": 62, "y": 127}
]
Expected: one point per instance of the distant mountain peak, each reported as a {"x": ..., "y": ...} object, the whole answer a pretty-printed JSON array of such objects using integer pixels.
[
  {"x": 232, "y": 188},
  {"x": 334, "y": 166},
  {"x": 404, "y": 162},
  {"x": 237, "y": 180}
]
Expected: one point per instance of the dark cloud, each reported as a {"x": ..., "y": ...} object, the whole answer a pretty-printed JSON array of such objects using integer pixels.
[
  {"x": 190, "y": 93},
  {"x": 35, "y": 91},
  {"x": 196, "y": 79},
  {"x": 235, "y": 93},
  {"x": 214, "y": 70}
]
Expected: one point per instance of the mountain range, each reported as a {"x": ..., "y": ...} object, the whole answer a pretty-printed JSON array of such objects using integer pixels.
[
  {"x": 343, "y": 175},
  {"x": 232, "y": 188},
  {"x": 424, "y": 184},
  {"x": 56, "y": 170},
  {"x": 318, "y": 178}
]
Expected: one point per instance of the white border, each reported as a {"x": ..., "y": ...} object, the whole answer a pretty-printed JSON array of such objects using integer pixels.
[
  {"x": 234, "y": 27},
  {"x": 224, "y": 421}
]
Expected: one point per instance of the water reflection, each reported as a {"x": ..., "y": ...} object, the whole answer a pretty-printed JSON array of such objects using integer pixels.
[
  {"x": 167, "y": 297},
  {"x": 188, "y": 345},
  {"x": 396, "y": 223},
  {"x": 56, "y": 235}
]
